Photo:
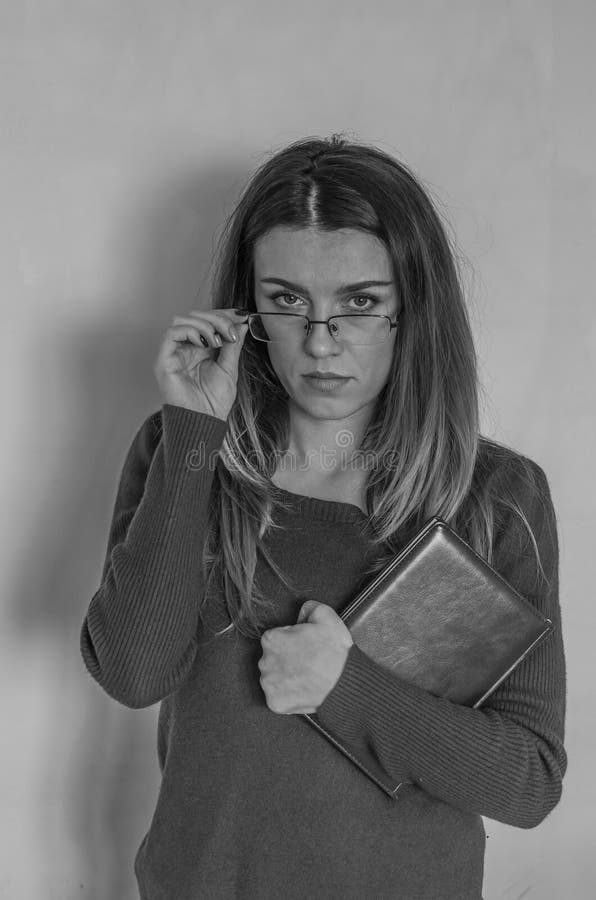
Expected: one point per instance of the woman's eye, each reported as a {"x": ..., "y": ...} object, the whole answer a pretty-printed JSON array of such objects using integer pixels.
[
  {"x": 284, "y": 297},
  {"x": 366, "y": 299}
]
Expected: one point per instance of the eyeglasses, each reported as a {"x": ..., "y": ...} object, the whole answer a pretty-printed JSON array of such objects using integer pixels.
[{"x": 361, "y": 329}]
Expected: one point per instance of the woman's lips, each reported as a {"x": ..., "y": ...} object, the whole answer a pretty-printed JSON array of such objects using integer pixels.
[{"x": 325, "y": 384}]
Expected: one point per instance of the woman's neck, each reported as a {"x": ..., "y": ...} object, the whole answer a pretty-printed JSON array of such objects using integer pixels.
[{"x": 323, "y": 447}]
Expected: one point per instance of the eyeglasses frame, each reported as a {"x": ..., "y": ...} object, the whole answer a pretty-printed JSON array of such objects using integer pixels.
[{"x": 311, "y": 322}]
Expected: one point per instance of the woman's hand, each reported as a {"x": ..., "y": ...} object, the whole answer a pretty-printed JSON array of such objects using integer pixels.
[
  {"x": 301, "y": 663},
  {"x": 197, "y": 363}
]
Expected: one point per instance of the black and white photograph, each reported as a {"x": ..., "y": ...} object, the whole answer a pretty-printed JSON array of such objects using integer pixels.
[{"x": 299, "y": 493}]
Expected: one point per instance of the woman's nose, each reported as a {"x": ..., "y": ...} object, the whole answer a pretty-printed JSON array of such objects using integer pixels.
[{"x": 320, "y": 341}]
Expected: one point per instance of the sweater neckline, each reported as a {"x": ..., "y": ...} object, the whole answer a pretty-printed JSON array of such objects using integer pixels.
[{"x": 317, "y": 508}]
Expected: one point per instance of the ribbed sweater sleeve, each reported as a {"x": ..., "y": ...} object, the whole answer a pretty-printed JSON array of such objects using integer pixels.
[
  {"x": 138, "y": 638},
  {"x": 505, "y": 760}
]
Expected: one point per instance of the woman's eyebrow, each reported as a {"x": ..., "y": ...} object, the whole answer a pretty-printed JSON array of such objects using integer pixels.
[{"x": 343, "y": 289}]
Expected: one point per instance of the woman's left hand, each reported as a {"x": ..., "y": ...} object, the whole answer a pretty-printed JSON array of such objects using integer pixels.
[{"x": 301, "y": 663}]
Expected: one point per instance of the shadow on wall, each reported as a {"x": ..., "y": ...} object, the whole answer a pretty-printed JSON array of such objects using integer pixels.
[{"x": 103, "y": 764}]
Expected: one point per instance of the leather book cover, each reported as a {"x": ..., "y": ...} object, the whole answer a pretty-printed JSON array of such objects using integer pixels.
[{"x": 439, "y": 617}]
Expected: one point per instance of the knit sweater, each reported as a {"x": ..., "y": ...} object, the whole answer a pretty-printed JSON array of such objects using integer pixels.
[{"x": 258, "y": 805}]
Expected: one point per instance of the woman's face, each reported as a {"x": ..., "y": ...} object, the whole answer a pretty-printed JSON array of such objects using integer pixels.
[{"x": 308, "y": 271}]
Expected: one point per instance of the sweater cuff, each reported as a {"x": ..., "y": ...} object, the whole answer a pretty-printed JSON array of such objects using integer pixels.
[
  {"x": 192, "y": 441},
  {"x": 183, "y": 425},
  {"x": 346, "y": 707},
  {"x": 368, "y": 702}
]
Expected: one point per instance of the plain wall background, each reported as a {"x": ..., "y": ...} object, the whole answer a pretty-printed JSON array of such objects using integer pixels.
[{"x": 129, "y": 129}]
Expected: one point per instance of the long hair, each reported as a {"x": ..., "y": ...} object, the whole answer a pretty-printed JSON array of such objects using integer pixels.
[{"x": 425, "y": 428}]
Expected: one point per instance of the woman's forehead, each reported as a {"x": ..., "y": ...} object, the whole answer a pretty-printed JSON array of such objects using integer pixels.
[{"x": 356, "y": 253}]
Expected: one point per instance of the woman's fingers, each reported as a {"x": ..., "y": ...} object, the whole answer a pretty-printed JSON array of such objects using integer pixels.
[
  {"x": 174, "y": 336},
  {"x": 215, "y": 327}
]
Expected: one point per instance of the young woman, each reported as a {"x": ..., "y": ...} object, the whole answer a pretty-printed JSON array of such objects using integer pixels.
[{"x": 296, "y": 450}]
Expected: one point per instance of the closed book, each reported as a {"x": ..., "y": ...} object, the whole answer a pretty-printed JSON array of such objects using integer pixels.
[{"x": 440, "y": 617}]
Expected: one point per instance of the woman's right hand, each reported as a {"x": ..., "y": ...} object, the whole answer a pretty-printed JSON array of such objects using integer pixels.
[{"x": 194, "y": 370}]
